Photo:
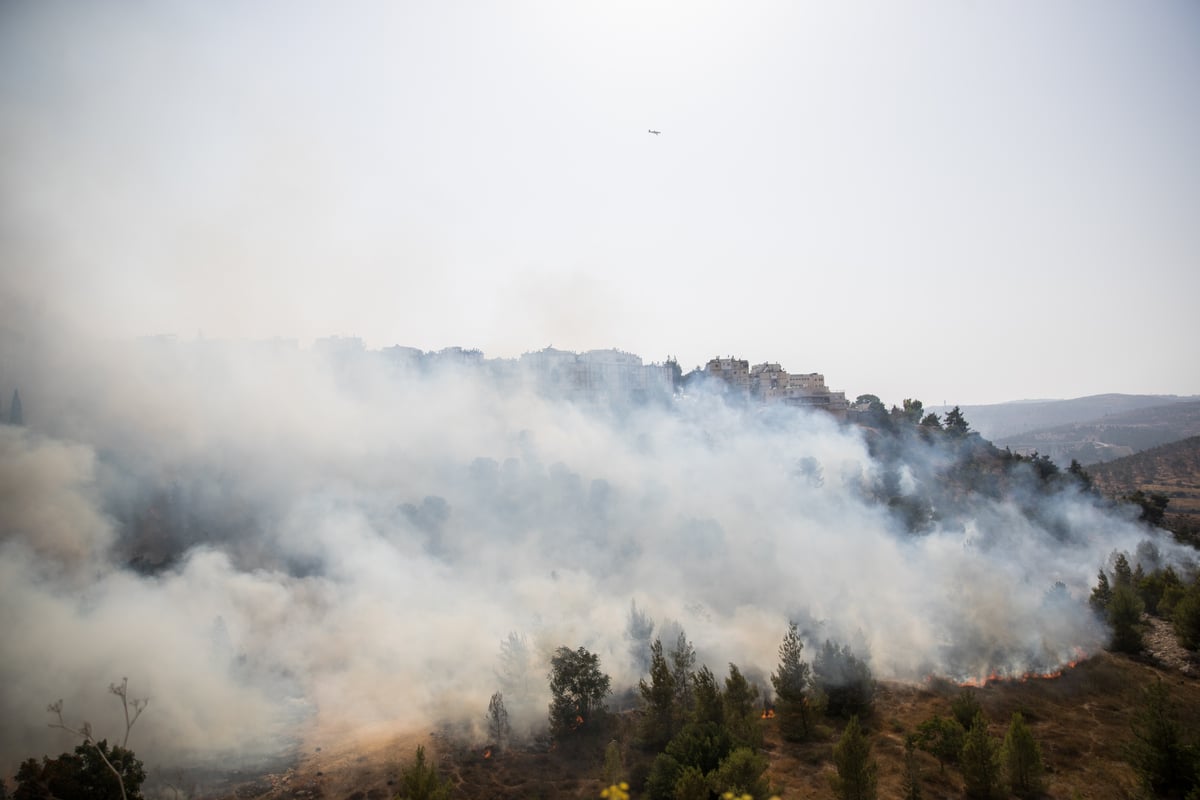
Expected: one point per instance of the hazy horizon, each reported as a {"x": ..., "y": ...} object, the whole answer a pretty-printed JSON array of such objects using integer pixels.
[{"x": 959, "y": 203}]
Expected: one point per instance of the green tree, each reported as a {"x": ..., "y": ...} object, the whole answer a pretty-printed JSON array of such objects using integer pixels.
[
  {"x": 683, "y": 658},
  {"x": 844, "y": 680},
  {"x": 956, "y": 424},
  {"x": 1122, "y": 572},
  {"x": 710, "y": 703},
  {"x": 792, "y": 683},
  {"x": 1022, "y": 759},
  {"x": 965, "y": 706},
  {"x": 1101, "y": 594},
  {"x": 1186, "y": 616},
  {"x": 420, "y": 781},
  {"x": 577, "y": 690},
  {"x": 692, "y": 784},
  {"x": 856, "y": 770},
  {"x": 614, "y": 764},
  {"x": 942, "y": 738},
  {"x": 1159, "y": 753},
  {"x": 1125, "y": 619},
  {"x": 741, "y": 709},
  {"x": 1153, "y": 506},
  {"x": 980, "y": 761},
  {"x": 658, "y": 701},
  {"x": 742, "y": 772},
  {"x": 931, "y": 422},
  {"x": 94, "y": 772}
]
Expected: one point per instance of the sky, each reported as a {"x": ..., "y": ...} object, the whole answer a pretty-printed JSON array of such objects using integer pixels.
[{"x": 957, "y": 201}]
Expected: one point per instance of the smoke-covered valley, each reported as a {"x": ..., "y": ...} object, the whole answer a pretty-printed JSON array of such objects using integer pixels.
[{"x": 265, "y": 539}]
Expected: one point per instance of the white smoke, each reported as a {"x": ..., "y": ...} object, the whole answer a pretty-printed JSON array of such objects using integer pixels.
[{"x": 264, "y": 540}]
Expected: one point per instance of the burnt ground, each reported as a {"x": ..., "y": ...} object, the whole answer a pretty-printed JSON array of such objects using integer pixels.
[{"x": 1082, "y": 720}]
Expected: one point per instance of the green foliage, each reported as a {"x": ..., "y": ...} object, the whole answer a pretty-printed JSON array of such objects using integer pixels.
[
  {"x": 942, "y": 738},
  {"x": 702, "y": 745},
  {"x": 710, "y": 703},
  {"x": 82, "y": 775},
  {"x": 691, "y": 785},
  {"x": 420, "y": 781},
  {"x": 1153, "y": 506},
  {"x": 956, "y": 424},
  {"x": 1125, "y": 618},
  {"x": 658, "y": 723},
  {"x": 1160, "y": 590},
  {"x": 741, "y": 709},
  {"x": 931, "y": 422},
  {"x": 1101, "y": 594},
  {"x": 1022, "y": 759},
  {"x": 577, "y": 689},
  {"x": 792, "y": 682},
  {"x": 980, "y": 761},
  {"x": 683, "y": 658},
  {"x": 844, "y": 680},
  {"x": 1186, "y": 616},
  {"x": 742, "y": 772},
  {"x": 664, "y": 774},
  {"x": 856, "y": 770},
  {"x": 1159, "y": 753},
  {"x": 1122, "y": 573},
  {"x": 964, "y": 707}
]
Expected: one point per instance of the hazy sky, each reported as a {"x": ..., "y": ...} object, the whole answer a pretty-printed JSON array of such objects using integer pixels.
[{"x": 958, "y": 201}]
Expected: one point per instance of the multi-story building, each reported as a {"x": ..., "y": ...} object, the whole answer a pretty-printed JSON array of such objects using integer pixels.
[{"x": 770, "y": 383}]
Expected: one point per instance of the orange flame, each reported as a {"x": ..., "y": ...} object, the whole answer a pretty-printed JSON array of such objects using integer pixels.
[
  {"x": 768, "y": 713},
  {"x": 996, "y": 677},
  {"x": 487, "y": 753}
]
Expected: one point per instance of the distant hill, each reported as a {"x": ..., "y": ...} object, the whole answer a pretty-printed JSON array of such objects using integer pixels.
[
  {"x": 1109, "y": 437},
  {"x": 1000, "y": 420},
  {"x": 1172, "y": 469}
]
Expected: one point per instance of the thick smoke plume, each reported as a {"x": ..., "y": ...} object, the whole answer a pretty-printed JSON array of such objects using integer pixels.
[{"x": 267, "y": 539}]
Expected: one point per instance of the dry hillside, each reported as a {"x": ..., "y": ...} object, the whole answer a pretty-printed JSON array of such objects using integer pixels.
[{"x": 1082, "y": 720}]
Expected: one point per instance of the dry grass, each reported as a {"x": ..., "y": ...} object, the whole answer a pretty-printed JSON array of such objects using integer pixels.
[{"x": 1082, "y": 720}]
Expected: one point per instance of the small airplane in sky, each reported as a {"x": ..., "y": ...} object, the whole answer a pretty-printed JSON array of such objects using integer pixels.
[{"x": 656, "y": 133}]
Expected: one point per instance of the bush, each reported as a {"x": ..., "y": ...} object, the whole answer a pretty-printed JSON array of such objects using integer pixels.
[{"x": 82, "y": 776}]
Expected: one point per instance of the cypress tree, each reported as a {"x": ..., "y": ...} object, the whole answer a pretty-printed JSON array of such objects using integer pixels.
[
  {"x": 791, "y": 681},
  {"x": 1022, "y": 759},
  {"x": 856, "y": 770}
]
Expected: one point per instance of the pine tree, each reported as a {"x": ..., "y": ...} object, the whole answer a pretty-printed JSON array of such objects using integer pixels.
[
  {"x": 658, "y": 701},
  {"x": 683, "y": 658},
  {"x": 741, "y": 709},
  {"x": 1022, "y": 759},
  {"x": 709, "y": 700},
  {"x": 498, "y": 728},
  {"x": 1125, "y": 619},
  {"x": 856, "y": 770},
  {"x": 791, "y": 681},
  {"x": 422, "y": 782},
  {"x": 1159, "y": 753},
  {"x": 980, "y": 761}
]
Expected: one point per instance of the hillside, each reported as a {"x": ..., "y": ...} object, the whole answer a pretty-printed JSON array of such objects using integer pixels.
[
  {"x": 1110, "y": 437},
  {"x": 1172, "y": 470},
  {"x": 1082, "y": 720},
  {"x": 1000, "y": 420}
]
